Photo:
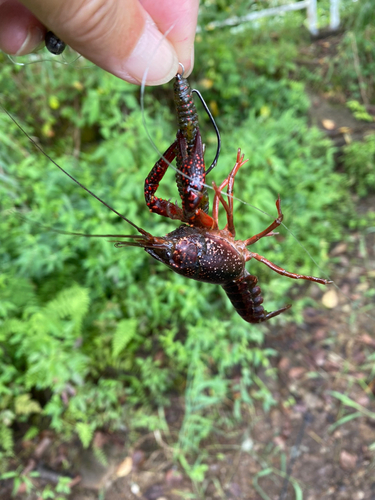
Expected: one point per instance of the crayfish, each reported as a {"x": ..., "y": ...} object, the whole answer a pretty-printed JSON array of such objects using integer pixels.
[{"x": 198, "y": 249}]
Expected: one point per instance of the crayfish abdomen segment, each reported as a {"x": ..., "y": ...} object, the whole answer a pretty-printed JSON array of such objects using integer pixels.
[
  {"x": 186, "y": 111},
  {"x": 246, "y": 298}
]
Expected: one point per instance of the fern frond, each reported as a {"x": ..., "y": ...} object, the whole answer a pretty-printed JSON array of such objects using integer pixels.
[
  {"x": 85, "y": 433},
  {"x": 24, "y": 405},
  {"x": 6, "y": 438},
  {"x": 100, "y": 456},
  {"x": 126, "y": 330},
  {"x": 72, "y": 302}
]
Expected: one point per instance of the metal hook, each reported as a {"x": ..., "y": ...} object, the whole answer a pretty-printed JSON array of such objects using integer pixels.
[
  {"x": 213, "y": 164},
  {"x": 183, "y": 69}
]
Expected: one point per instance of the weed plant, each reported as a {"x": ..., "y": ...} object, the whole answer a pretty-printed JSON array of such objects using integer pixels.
[{"x": 359, "y": 161}]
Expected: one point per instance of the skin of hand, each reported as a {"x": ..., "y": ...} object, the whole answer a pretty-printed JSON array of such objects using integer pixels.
[{"x": 124, "y": 37}]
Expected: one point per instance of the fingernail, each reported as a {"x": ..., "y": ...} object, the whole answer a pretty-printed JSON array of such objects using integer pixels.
[
  {"x": 33, "y": 38},
  {"x": 153, "y": 59},
  {"x": 191, "y": 61}
]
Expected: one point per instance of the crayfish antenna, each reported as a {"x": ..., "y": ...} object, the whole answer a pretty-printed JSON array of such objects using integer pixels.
[
  {"x": 143, "y": 235},
  {"x": 142, "y": 242}
]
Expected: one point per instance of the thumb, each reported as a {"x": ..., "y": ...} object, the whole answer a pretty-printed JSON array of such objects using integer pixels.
[{"x": 117, "y": 35}]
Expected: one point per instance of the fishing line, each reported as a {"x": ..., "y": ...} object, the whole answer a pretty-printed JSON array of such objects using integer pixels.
[
  {"x": 208, "y": 186},
  {"x": 42, "y": 58}
]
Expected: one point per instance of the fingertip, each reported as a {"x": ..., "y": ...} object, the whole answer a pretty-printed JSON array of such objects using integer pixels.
[{"x": 20, "y": 31}]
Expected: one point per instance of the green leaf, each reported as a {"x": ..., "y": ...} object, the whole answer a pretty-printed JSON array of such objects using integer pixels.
[
  {"x": 24, "y": 405},
  {"x": 85, "y": 433},
  {"x": 125, "y": 332}
]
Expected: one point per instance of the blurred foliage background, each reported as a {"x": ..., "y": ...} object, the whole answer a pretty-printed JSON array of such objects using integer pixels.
[{"x": 93, "y": 337}]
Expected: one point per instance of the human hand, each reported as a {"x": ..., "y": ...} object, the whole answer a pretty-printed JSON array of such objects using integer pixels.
[{"x": 124, "y": 37}]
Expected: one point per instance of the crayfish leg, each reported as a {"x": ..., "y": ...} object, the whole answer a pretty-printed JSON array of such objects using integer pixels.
[
  {"x": 229, "y": 181},
  {"x": 270, "y": 228},
  {"x": 283, "y": 272}
]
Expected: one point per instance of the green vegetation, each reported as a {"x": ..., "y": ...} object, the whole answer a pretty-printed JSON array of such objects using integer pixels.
[
  {"x": 359, "y": 161},
  {"x": 93, "y": 337}
]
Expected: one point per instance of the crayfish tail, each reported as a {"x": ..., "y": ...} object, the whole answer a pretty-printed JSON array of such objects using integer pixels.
[{"x": 246, "y": 298}]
